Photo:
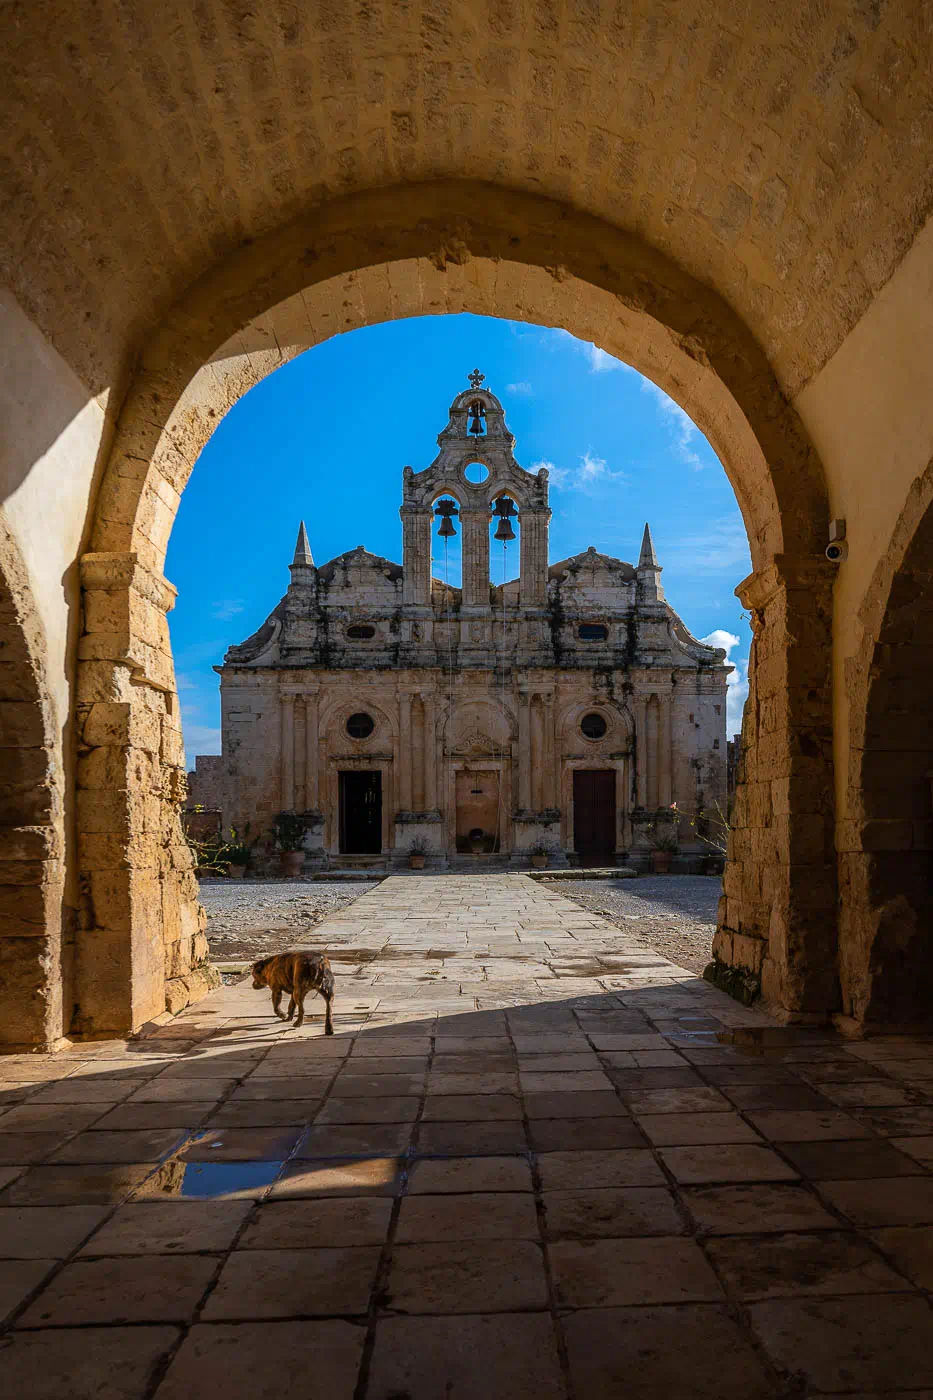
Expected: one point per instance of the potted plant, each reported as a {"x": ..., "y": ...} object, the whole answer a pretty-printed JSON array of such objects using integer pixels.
[
  {"x": 289, "y": 831},
  {"x": 236, "y": 853},
  {"x": 417, "y": 850},
  {"x": 539, "y": 854},
  {"x": 663, "y": 838}
]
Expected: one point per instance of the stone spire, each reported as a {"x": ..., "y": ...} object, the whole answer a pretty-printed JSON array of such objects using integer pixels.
[
  {"x": 647, "y": 559},
  {"x": 303, "y": 553},
  {"x": 649, "y": 571}
]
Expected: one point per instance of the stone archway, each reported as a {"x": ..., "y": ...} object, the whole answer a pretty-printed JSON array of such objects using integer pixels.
[
  {"x": 35, "y": 980},
  {"x": 886, "y": 842},
  {"x": 438, "y": 248}
]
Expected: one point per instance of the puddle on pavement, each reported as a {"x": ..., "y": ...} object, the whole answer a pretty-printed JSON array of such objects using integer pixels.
[
  {"x": 773, "y": 1042},
  {"x": 203, "y": 1181}
]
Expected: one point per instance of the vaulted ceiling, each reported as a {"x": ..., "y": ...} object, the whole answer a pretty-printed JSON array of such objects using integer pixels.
[{"x": 778, "y": 153}]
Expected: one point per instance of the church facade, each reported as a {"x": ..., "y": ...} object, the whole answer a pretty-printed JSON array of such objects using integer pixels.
[{"x": 396, "y": 713}]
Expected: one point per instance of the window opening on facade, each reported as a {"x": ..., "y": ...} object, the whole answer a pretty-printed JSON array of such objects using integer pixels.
[
  {"x": 361, "y": 632},
  {"x": 476, "y": 473},
  {"x": 360, "y": 726},
  {"x": 593, "y": 632},
  {"x": 593, "y": 726}
]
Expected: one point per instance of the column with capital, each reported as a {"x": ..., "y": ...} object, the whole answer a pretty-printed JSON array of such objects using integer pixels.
[
  {"x": 665, "y": 775},
  {"x": 551, "y": 752},
  {"x": 641, "y": 750},
  {"x": 430, "y": 754},
  {"x": 312, "y": 753},
  {"x": 524, "y": 750},
  {"x": 287, "y": 751},
  {"x": 404, "y": 751}
]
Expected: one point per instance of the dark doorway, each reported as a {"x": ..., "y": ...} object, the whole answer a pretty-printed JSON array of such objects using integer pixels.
[
  {"x": 594, "y": 816},
  {"x": 360, "y": 813}
]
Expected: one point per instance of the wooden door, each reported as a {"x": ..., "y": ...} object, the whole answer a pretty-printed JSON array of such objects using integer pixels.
[
  {"x": 594, "y": 815},
  {"x": 360, "y": 813}
]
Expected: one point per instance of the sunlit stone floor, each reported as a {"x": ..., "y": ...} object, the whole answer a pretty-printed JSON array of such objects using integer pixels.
[{"x": 535, "y": 1160}]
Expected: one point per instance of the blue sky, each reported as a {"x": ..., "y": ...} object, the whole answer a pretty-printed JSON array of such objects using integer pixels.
[{"x": 325, "y": 438}]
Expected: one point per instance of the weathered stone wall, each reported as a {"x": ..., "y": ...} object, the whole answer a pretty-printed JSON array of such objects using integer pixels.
[
  {"x": 140, "y": 948},
  {"x": 35, "y": 923},
  {"x": 775, "y": 164}
]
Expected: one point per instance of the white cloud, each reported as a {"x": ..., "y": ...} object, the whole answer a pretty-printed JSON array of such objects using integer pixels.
[
  {"x": 589, "y": 475},
  {"x": 721, "y": 638},
  {"x": 721, "y": 549},
  {"x": 683, "y": 429},
  {"x": 600, "y": 361},
  {"x": 737, "y": 692},
  {"x": 523, "y": 389},
  {"x": 227, "y": 609}
]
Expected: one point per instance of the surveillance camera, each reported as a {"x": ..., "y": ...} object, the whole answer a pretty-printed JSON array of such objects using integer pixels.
[{"x": 837, "y": 552}]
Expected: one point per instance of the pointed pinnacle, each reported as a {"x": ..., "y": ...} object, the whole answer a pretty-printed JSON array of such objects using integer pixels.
[
  {"x": 303, "y": 553},
  {"x": 647, "y": 559}
]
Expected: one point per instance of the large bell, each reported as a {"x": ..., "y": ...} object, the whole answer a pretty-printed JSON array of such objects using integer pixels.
[
  {"x": 504, "y": 530},
  {"x": 476, "y": 423},
  {"x": 445, "y": 511}
]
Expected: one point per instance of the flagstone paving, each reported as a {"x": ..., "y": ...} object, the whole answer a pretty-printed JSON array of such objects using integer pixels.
[{"x": 535, "y": 1160}]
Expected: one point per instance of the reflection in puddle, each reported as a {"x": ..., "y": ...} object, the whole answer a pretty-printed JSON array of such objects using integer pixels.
[
  {"x": 774, "y": 1042},
  {"x": 210, "y": 1180}
]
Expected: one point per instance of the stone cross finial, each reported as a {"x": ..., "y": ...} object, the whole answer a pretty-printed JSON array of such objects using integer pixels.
[{"x": 475, "y": 379}]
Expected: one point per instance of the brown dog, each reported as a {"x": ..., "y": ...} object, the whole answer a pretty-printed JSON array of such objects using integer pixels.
[{"x": 298, "y": 974}]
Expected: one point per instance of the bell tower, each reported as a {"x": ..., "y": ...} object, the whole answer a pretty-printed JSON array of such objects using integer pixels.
[{"x": 476, "y": 467}]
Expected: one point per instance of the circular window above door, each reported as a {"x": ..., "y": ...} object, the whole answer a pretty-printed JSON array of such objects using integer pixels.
[
  {"x": 593, "y": 726},
  {"x": 360, "y": 726}
]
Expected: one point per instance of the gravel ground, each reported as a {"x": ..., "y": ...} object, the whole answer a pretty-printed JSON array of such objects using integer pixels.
[
  {"x": 250, "y": 919},
  {"x": 674, "y": 914}
]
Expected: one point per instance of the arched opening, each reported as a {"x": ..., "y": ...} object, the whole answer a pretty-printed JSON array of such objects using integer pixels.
[
  {"x": 36, "y": 932},
  {"x": 886, "y": 845},
  {"x": 629, "y": 302}
]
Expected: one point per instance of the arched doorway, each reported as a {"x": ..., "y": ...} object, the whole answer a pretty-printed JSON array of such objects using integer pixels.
[
  {"x": 35, "y": 967},
  {"x": 886, "y": 843}
]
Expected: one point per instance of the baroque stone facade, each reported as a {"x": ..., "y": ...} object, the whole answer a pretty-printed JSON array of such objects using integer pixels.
[{"x": 562, "y": 707}]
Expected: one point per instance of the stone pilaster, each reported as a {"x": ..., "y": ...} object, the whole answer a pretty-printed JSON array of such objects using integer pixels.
[
  {"x": 475, "y": 567},
  {"x": 140, "y": 948},
  {"x": 416, "y": 555},
  {"x": 312, "y": 752},
  {"x": 287, "y": 750},
  {"x": 777, "y": 918},
  {"x": 534, "y": 557}
]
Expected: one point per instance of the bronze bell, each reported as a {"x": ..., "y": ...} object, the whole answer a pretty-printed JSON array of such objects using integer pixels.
[
  {"x": 445, "y": 511},
  {"x": 505, "y": 507},
  {"x": 476, "y": 422},
  {"x": 504, "y": 529}
]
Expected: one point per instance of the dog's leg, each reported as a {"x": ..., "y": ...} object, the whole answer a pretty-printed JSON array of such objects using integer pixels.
[
  {"x": 291, "y": 1007},
  {"x": 277, "y": 1005},
  {"x": 328, "y": 1023},
  {"x": 300, "y": 993}
]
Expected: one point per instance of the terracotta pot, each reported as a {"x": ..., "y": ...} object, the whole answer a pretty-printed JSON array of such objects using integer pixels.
[
  {"x": 292, "y": 862},
  {"x": 416, "y": 862},
  {"x": 236, "y": 872},
  {"x": 539, "y": 861},
  {"x": 661, "y": 862}
]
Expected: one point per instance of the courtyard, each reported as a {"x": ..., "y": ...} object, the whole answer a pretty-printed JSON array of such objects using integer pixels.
[{"x": 537, "y": 1158}]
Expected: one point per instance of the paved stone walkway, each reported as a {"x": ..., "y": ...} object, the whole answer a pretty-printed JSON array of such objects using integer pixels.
[{"x": 534, "y": 1161}]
